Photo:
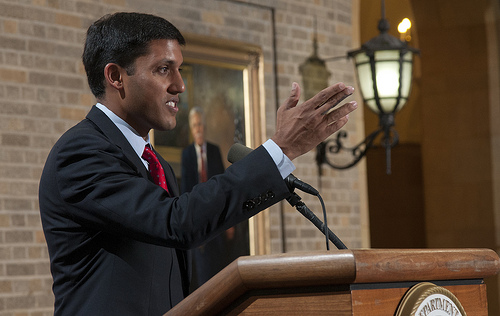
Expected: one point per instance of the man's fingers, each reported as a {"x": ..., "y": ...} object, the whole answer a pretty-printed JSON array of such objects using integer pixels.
[
  {"x": 341, "y": 112},
  {"x": 294, "y": 97},
  {"x": 334, "y": 100},
  {"x": 327, "y": 94},
  {"x": 336, "y": 125}
]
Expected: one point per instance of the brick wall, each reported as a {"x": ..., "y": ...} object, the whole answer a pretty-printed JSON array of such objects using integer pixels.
[{"x": 43, "y": 91}]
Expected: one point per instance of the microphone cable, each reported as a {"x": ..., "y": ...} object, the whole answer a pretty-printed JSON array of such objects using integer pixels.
[{"x": 324, "y": 220}]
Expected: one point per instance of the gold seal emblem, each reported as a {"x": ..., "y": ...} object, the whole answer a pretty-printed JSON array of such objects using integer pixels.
[{"x": 428, "y": 299}]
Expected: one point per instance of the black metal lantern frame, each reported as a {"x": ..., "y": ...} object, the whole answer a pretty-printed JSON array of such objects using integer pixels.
[{"x": 384, "y": 72}]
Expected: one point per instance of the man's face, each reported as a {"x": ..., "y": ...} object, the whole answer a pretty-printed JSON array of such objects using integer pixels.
[
  {"x": 151, "y": 94},
  {"x": 197, "y": 128}
]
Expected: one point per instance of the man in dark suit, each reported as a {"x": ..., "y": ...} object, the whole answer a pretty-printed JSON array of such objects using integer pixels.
[
  {"x": 200, "y": 161},
  {"x": 115, "y": 226}
]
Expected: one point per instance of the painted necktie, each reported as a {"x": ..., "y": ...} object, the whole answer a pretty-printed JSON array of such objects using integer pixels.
[
  {"x": 155, "y": 167},
  {"x": 203, "y": 172}
]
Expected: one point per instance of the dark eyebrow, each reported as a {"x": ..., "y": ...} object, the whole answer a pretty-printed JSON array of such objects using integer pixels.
[{"x": 169, "y": 62}]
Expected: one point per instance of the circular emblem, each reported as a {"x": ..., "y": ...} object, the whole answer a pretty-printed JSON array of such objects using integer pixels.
[{"x": 428, "y": 299}]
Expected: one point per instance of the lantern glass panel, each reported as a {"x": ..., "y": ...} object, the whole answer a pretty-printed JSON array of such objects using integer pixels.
[
  {"x": 407, "y": 75},
  {"x": 408, "y": 56},
  {"x": 361, "y": 58},
  {"x": 386, "y": 55},
  {"x": 387, "y": 76},
  {"x": 365, "y": 80},
  {"x": 372, "y": 105}
]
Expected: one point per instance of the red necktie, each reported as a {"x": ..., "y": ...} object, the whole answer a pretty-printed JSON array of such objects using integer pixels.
[
  {"x": 155, "y": 167},
  {"x": 203, "y": 173}
]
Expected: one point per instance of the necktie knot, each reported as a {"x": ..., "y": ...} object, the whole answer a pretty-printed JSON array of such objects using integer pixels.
[{"x": 155, "y": 167}]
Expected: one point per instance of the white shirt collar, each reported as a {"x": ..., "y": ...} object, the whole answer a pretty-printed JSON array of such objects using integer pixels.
[{"x": 135, "y": 140}]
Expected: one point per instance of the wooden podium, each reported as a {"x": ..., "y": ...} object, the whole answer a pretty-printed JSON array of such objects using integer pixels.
[{"x": 341, "y": 282}]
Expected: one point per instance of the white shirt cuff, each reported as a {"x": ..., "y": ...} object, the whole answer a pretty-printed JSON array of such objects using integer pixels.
[{"x": 284, "y": 164}]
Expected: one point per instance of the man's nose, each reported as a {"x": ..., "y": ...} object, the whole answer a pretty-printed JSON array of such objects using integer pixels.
[{"x": 177, "y": 86}]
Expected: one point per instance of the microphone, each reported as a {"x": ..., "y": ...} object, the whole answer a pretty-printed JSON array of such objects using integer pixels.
[
  {"x": 239, "y": 151},
  {"x": 293, "y": 182}
]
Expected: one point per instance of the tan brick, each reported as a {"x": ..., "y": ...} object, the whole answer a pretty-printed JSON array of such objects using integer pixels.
[
  {"x": 19, "y": 253},
  {"x": 12, "y": 10},
  {"x": 13, "y": 75},
  {"x": 68, "y": 20},
  {"x": 39, "y": 2},
  {"x": 5, "y": 286},
  {"x": 41, "y": 46},
  {"x": 20, "y": 269},
  {"x": 18, "y": 236},
  {"x": 42, "y": 79},
  {"x": 87, "y": 99},
  {"x": 14, "y": 124},
  {"x": 212, "y": 17},
  {"x": 115, "y": 2},
  {"x": 35, "y": 253},
  {"x": 44, "y": 111},
  {"x": 53, "y": 3},
  {"x": 12, "y": 92},
  {"x": 4, "y": 220},
  {"x": 67, "y": 51},
  {"x": 10, "y": 26},
  {"x": 18, "y": 220},
  {"x": 20, "y": 302},
  {"x": 14, "y": 172},
  {"x": 5, "y": 254},
  {"x": 71, "y": 82},
  {"x": 72, "y": 113},
  {"x": 33, "y": 218},
  {"x": 14, "y": 140},
  {"x": 73, "y": 98},
  {"x": 46, "y": 301}
]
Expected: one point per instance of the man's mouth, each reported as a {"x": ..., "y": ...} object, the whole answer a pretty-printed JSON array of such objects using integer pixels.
[{"x": 172, "y": 104}]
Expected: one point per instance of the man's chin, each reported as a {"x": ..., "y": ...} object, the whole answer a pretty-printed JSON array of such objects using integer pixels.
[{"x": 166, "y": 127}]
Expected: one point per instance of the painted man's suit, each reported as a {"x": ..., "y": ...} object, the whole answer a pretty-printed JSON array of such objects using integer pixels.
[{"x": 189, "y": 160}]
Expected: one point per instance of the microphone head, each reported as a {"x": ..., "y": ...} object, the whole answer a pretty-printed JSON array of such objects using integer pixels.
[{"x": 237, "y": 152}]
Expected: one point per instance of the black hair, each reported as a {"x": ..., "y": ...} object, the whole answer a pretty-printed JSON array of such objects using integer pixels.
[{"x": 121, "y": 38}]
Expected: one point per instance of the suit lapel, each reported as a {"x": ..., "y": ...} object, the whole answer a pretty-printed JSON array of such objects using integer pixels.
[{"x": 116, "y": 137}]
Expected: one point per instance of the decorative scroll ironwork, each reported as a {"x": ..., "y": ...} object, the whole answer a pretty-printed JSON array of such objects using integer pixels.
[{"x": 333, "y": 146}]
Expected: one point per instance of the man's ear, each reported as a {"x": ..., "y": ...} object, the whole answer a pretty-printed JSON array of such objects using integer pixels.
[{"x": 113, "y": 76}]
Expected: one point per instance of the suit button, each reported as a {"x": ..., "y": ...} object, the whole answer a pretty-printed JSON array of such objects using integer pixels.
[
  {"x": 257, "y": 200},
  {"x": 249, "y": 205},
  {"x": 270, "y": 195}
]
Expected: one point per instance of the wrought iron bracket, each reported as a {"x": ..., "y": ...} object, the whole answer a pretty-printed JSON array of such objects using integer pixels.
[{"x": 326, "y": 149}]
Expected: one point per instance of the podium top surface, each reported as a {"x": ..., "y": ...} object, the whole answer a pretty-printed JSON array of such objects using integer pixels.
[{"x": 339, "y": 267}]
